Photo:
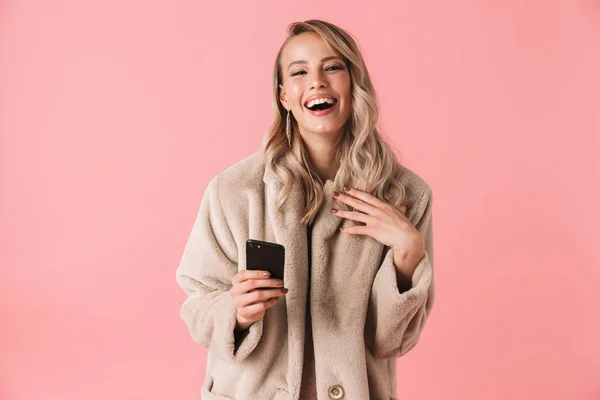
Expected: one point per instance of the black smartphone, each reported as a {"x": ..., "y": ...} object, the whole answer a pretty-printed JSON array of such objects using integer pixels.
[{"x": 265, "y": 256}]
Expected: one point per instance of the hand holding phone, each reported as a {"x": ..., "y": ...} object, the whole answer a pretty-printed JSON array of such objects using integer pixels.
[{"x": 253, "y": 294}]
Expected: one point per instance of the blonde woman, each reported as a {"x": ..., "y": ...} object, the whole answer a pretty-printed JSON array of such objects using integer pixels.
[{"x": 356, "y": 226}]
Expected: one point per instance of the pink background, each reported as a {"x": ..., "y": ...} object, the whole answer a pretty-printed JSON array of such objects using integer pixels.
[{"x": 114, "y": 115}]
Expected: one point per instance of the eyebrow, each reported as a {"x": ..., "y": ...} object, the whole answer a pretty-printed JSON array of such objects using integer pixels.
[{"x": 323, "y": 60}]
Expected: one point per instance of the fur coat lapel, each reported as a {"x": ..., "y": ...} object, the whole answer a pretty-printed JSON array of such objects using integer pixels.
[
  {"x": 292, "y": 234},
  {"x": 341, "y": 263}
]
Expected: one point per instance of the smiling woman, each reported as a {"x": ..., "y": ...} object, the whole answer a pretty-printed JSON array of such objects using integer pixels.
[
  {"x": 357, "y": 231},
  {"x": 317, "y": 102}
]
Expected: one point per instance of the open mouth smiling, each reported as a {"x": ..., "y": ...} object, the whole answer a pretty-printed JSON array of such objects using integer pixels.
[{"x": 320, "y": 104}]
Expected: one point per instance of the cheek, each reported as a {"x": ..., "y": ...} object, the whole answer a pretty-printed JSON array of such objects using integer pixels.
[
  {"x": 295, "y": 94},
  {"x": 345, "y": 87}
]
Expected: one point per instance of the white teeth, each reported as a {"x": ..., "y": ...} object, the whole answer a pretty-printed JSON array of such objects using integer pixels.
[{"x": 320, "y": 101}]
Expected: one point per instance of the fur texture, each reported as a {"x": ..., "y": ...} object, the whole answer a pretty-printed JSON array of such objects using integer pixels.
[{"x": 361, "y": 322}]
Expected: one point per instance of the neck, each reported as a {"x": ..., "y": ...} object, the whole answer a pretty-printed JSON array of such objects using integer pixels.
[
  {"x": 324, "y": 163},
  {"x": 321, "y": 152}
]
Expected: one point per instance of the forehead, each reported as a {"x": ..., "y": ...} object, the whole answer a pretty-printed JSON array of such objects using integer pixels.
[{"x": 306, "y": 46}]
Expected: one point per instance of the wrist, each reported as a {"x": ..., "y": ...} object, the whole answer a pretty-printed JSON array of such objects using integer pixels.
[
  {"x": 241, "y": 326},
  {"x": 406, "y": 262}
]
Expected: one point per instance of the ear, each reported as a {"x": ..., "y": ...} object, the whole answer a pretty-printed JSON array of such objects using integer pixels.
[{"x": 283, "y": 97}]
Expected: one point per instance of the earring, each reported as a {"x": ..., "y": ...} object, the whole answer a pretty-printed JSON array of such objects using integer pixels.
[{"x": 288, "y": 129}]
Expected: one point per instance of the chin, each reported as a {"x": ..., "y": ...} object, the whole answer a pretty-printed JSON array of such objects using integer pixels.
[{"x": 326, "y": 131}]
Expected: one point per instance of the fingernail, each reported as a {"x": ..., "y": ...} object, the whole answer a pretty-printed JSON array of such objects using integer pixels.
[
  {"x": 333, "y": 210},
  {"x": 335, "y": 194},
  {"x": 346, "y": 188},
  {"x": 266, "y": 274}
]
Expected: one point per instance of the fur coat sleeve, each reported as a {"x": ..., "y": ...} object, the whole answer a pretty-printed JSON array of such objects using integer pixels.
[
  {"x": 395, "y": 319},
  {"x": 206, "y": 276}
]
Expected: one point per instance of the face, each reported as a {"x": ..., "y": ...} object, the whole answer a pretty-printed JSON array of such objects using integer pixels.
[{"x": 312, "y": 71}]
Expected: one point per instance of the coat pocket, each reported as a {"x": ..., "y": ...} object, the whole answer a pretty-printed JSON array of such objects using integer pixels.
[{"x": 207, "y": 394}]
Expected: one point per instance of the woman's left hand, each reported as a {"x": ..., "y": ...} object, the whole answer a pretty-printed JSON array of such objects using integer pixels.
[{"x": 386, "y": 224}]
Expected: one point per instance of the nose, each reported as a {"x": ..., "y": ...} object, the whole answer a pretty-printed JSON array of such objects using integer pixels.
[{"x": 318, "y": 80}]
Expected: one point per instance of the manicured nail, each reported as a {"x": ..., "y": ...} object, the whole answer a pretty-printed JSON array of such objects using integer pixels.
[
  {"x": 335, "y": 194},
  {"x": 346, "y": 188},
  {"x": 333, "y": 210},
  {"x": 266, "y": 273},
  {"x": 341, "y": 229}
]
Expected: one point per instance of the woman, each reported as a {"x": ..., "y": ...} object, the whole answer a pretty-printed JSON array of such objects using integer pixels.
[{"x": 358, "y": 281}]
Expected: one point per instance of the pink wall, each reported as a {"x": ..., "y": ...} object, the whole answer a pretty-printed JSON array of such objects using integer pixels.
[{"x": 114, "y": 116}]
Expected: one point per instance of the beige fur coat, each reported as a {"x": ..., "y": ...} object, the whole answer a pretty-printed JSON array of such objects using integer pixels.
[{"x": 361, "y": 322}]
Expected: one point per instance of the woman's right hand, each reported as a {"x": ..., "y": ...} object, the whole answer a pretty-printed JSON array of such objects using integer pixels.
[{"x": 250, "y": 300}]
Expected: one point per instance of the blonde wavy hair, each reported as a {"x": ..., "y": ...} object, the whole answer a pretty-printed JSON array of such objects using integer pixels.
[{"x": 366, "y": 161}]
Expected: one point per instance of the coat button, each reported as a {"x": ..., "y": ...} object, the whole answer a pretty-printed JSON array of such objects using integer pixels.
[{"x": 336, "y": 392}]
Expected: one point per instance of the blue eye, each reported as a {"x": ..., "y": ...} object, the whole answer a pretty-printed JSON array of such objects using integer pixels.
[{"x": 330, "y": 68}]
